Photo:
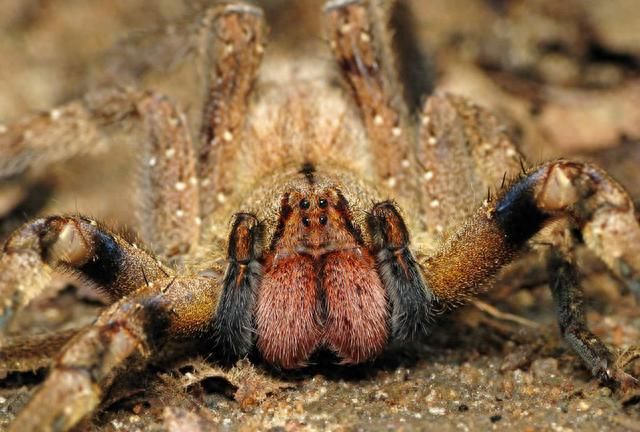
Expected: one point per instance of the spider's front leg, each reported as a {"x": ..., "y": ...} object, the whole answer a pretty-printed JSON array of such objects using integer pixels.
[
  {"x": 75, "y": 244},
  {"x": 133, "y": 329},
  {"x": 362, "y": 45},
  {"x": 126, "y": 334},
  {"x": 584, "y": 194},
  {"x": 235, "y": 54}
]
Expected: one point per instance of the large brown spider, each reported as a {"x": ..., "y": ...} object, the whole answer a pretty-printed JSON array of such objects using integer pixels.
[{"x": 323, "y": 180}]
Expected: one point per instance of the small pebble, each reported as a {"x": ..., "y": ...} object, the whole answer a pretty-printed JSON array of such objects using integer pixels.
[
  {"x": 437, "y": 411},
  {"x": 583, "y": 406}
]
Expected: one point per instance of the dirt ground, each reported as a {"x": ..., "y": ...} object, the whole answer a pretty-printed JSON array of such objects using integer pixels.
[{"x": 565, "y": 77}]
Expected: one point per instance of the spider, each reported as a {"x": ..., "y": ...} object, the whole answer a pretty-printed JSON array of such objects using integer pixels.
[{"x": 324, "y": 209}]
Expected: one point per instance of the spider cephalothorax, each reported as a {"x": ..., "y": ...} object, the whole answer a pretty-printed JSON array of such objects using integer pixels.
[{"x": 321, "y": 210}]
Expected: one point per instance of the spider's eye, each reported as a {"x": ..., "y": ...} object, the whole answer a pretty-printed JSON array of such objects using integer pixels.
[
  {"x": 304, "y": 204},
  {"x": 322, "y": 203},
  {"x": 323, "y": 220},
  {"x": 306, "y": 221}
]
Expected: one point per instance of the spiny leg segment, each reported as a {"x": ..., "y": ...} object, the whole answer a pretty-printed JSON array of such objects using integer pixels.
[
  {"x": 236, "y": 53},
  {"x": 170, "y": 210},
  {"x": 75, "y": 244},
  {"x": 163, "y": 308},
  {"x": 598, "y": 206},
  {"x": 585, "y": 194},
  {"x": 360, "y": 40}
]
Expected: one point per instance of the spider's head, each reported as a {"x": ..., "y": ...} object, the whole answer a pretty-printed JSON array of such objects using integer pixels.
[
  {"x": 314, "y": 221},
  {"x": 320, "y": 286}
]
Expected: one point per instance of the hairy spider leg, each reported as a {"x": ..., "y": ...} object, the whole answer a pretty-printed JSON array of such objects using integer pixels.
[
  {"x": 75, "y": 244},
  {"x": 158, "y": 306},
  {"x": 236, "y": 53},
  {"x": 359, "y": 37},
  {"x": 581, "y": 192}
]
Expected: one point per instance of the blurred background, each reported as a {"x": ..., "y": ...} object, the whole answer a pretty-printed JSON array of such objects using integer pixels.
[{"x": 564, "y": 76}]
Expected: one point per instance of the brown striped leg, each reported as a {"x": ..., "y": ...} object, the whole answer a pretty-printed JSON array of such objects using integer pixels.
[
  {"x": 78, "y": 127},
  {"x": 599, "y": 207},
  {"x": 236, "y": 52},
  {"x": 358, "y": 35},
  {"x": 75, "y": 244},
  {"x": 124, "y": 336},
  {"x": 33, "y": 352},
  {"x": 170, "y": 222}
]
